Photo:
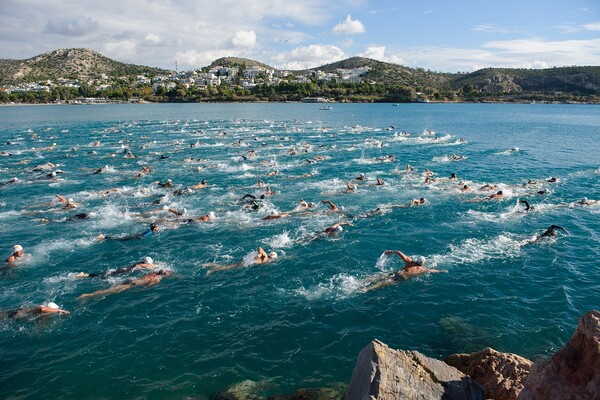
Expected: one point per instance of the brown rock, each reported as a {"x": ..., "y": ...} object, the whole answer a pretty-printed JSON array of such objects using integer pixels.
[
  {"x": 385, "y": 374},
  {"x": 573, "y": 373},
  {"x": 500, "y": 375}
]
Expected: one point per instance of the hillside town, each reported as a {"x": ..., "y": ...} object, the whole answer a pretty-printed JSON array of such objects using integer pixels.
[{"x": 240, "y": 77}]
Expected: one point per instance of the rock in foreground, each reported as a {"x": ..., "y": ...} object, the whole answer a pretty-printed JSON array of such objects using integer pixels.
[
  {"x": 499, "y": 374},
  {"x": 385, "y": 374},
  {"x": 573, "y": 373}
]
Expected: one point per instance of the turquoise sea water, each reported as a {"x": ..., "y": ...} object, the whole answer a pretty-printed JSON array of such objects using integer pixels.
[{"x": 301, "y": 320}]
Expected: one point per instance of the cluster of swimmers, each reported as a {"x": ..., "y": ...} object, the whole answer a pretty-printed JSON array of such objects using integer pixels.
[{"x": 413, "y": 266}]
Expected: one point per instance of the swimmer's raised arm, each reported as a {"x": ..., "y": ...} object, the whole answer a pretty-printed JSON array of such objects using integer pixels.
[{"x": 400, "y": 254}]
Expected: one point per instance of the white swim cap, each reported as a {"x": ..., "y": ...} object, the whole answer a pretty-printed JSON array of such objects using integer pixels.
[
  {"x": 184, "y": 211},
  {"x": 420, "y": 260},
  {"x": 70, "y": 200},
  {"x": 165, "y": 208},
  {"x": 148, "y": 260},
  {"x": 584, "y": 200},
  {"x": 169, "y": 181},
  {"x": 17, "y": 247},
  {"x": 272, "y": 255},
  {"x": 53, "y": 174},
  {"x": 339, "y": 228},
  {"x": 274, "y": 212},
  {"x": 53, "y": 305}
]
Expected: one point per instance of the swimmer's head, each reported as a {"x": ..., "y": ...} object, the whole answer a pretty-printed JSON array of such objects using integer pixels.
[
  {"x": 165, "y": 208},
  {"x": 184, "y": 211},
  {"x": 584, "y": 200},
  {"x": 154, "y": 227},
  {"x": 339, "y": 228},
  {"x": 15, "y": 179},
  {"x": 274, "y": 212},
  {"x": 53, "y": 174},
  {"x": 420, "y": 260},
  {"x": 169, "y": 181},
  {"x": 17, "y": 248},
  {"x": 148, "y": 260},
  {"x": 52, "y": 305},
  {"x": 272, "y": 255}
]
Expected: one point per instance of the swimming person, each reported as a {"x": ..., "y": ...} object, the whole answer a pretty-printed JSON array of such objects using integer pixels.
[
  {"x": 150, "y": 279},
  {"x": 154, "y": 228},
  {"x": 28, "y": 312},
  {"x": 260, "y": 258},
  {"x": 527, "y": 206},
  {"x": 146, "y": 263},
  {"x": 16, "y": 255},
  {"x": 336, "y": 228},
  {"x": 548, "y": 233},
  {"x": 333, "y": 207},
  {"x": 412, "y": 267}
]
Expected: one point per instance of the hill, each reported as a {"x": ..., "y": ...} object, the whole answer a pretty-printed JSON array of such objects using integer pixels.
[
  {"x": 67, "y": 63},
  {"x": 392, "y": 74},
  {"x": 237, "y": 61}
]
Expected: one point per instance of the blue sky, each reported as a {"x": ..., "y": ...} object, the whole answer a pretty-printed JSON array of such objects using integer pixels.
[{"x": 446, "y": 36}]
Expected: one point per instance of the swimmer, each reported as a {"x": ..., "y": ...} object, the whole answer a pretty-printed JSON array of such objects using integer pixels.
[
  {"x": 379, "y": 182},
  {"x": 260, "y": 258},
  {"x": 9, "y": 182},
  {"x": 527, "y": 206},
  {"x": 416, "y": 202},
  {"x": 202, "y": 218},
  {"x": 16, "y": 255},
  {"x": 412, "y": 267},
  {"x": 586, "y": 202},
  {"x": 154, "y": 228},
  {"x": 333, "y": 207},
  {"x": 551, "y": 231},
  {"x": 275, "y": 215},
  {"x": 71, "y": 204},
  {"x": 465, "y": 188},
  {"x": 304, "y": 204},
  {"x": 453, "y": 176},
  {"x": 28, "y": 312},
  {"x": 269, "y": 192},
  {"x": 147, "y": 280},
  {"x": 178, "y": 213},
  {"x": 351, "y": 187},
  {"x": 336, "y": 228},
  {"x": 409, "y": 168},
  {"x": 100, "y": 170},
  {"x": 201, "y": 185},
  {"x": 146, "y": 263},
  {"x": 361, "y": 177},
  {"x": 168, "y": 183},
  {"x": 488, "y": 187},
  {"x": 552, "y": 180},
  {"x": 548, "y": 233},
  {"x": 497, "y": 195}
]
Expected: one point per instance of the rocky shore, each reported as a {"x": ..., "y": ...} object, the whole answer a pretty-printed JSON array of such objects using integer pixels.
[{"x": 381, "y": 373}]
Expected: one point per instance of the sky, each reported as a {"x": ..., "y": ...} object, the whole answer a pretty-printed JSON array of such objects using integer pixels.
[{"x": 440, "y": 35}]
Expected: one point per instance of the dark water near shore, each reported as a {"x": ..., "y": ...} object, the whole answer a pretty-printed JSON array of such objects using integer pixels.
[{"x": 301, "y": 320}]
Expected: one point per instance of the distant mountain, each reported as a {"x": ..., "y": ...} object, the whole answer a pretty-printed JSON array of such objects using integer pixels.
[
  {"x": 67, "y": 63},
  {"x": 237, "y": 61}
]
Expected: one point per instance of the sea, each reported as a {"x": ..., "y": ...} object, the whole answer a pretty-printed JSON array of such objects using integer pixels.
[{"x": 300, "y": 320}]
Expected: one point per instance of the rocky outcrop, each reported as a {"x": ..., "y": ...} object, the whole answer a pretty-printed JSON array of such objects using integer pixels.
[
  {"x": 573, "y": 373},
  {"x": 385, "y": 374},
  {"x": 500, "y": 375}
]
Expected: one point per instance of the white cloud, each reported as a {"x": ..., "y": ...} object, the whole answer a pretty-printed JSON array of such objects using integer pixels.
[
  {"x": 379, "y": 53},
  {"x": 193, "y": 59},
  {"x": 123, "y": 50},
  {"x": 492, "y": 28},
  {"x": 243, "y": 39},
  {"x": 349, "y": 27},
  {"x": 310, "y": 56},
  {"x": 79, "y": 26},
  {"x": 595, "y": 27}
]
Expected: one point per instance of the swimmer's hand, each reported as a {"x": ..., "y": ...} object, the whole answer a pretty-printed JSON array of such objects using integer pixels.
[{"x": 100, "y": 237}]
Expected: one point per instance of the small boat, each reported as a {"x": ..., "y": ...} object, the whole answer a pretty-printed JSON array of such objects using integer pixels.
[{"x": 326, "y": 108}]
